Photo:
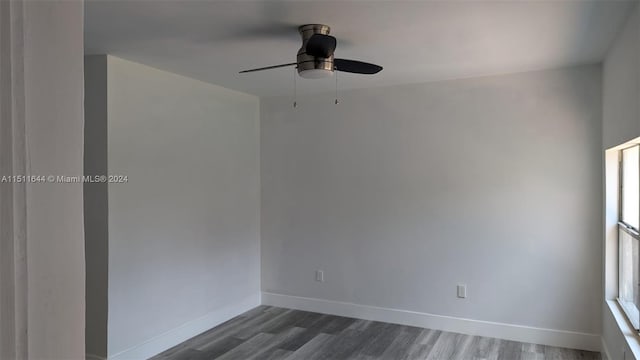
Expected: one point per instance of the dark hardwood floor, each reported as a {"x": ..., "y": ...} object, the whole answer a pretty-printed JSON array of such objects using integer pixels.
[{"x": 272, "y": 333}]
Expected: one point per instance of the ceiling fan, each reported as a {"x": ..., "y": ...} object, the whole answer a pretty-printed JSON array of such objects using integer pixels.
[{"x": 315, "y": 58}]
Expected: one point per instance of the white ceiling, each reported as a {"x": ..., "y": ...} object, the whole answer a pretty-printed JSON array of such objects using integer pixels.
[{"x": 415, "y": 41}]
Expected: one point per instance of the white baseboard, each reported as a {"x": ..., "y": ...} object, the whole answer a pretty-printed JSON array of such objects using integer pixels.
[
  {"x": 186, "y": 331},
  {"x": 560, "y": 338},
  {"x": 604, "y": 350}
]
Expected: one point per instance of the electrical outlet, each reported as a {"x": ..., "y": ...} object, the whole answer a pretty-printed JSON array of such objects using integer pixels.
[
  {"x": 462, "y": 291},
  {"x": 320, "y": 275}
]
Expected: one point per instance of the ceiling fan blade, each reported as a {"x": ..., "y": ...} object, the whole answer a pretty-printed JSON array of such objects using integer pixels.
[
  {"x": 268, "y": 67},
  {"x": 357, "y": 67},
  {"x": 320, "y": 45}
]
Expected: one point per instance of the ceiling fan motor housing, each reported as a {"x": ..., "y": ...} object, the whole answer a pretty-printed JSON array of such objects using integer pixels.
[{"x": 310, "y": 66}]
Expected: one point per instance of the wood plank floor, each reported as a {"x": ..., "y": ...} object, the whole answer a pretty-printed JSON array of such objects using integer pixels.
[{"x": 271, "y": 333}]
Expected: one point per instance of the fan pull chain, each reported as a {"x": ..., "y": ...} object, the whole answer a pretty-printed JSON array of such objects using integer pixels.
[
  {"x": 336, "y": 73},
  {"x": 295, "y": 90}
]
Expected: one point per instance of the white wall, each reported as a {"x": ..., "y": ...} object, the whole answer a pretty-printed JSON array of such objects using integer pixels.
[
  {"x": 620, "y": 123},
  {"x": 184, "y": 231},
  {"x": 53, "y": 71},
  {"x": 400, "y": 193},
  {"x": 621, "y": 85}
]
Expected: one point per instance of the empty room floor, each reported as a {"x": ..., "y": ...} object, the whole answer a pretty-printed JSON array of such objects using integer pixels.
[{"x": 276, "y": 333}]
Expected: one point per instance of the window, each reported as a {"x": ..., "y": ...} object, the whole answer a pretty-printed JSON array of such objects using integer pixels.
[{"x": 628, "y": 236}]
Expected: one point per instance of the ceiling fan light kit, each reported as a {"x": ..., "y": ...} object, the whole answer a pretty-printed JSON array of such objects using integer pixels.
[{"x": 315, "y": 73}]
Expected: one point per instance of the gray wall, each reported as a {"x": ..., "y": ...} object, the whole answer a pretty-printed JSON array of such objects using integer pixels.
[
  {"x": 184, "y": 230},
  {"x": 621, "y": 123},
  {"x": 53, "y": 71},
  {"x": 621, "y": 86},
  {"x": 400, "y": 193},
  {"x": 96, "y": 211}
]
